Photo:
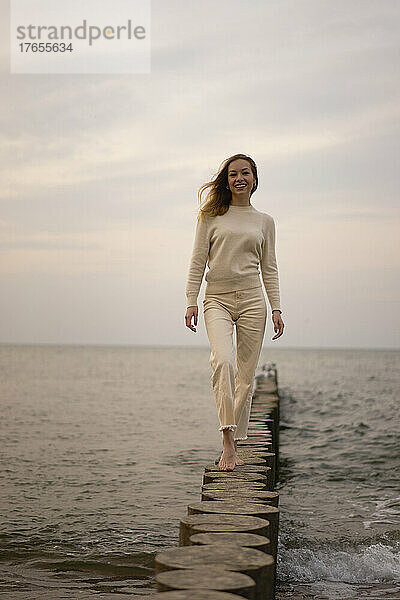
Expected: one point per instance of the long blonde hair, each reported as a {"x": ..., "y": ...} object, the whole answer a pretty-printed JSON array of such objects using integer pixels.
[{"x": 218, "y": 198}]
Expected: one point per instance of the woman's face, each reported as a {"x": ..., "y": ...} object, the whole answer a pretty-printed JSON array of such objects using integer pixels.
[{"x": 240, "y": 177}]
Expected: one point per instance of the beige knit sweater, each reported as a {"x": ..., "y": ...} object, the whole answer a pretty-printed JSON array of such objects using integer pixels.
[{"x": 233, "y": 245}]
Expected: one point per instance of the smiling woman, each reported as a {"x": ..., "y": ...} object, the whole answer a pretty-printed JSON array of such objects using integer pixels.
[{"x": 234, "y": 239}]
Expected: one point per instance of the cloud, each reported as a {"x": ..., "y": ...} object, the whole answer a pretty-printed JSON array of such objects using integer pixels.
[{"x": 100, "y": 173}]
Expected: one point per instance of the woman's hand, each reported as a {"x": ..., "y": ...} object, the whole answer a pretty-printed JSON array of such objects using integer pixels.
[
  {"x": 278, "y": 323},
  {"x": 191, "y": 311}
]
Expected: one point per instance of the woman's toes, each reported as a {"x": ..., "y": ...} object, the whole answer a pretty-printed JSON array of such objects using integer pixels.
[{"x": 226, "y": 464}]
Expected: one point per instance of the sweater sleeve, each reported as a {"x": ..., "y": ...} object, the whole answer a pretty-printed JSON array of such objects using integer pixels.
[
  {"x": 269, "y": 268},
  {"x": 198, "y": 260}
]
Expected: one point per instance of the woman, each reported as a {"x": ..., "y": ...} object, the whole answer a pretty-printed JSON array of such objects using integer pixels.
[{"x": 234, "y": 238}]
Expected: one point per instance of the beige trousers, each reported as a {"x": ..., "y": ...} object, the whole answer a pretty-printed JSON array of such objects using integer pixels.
[{"x": 233, "y": 383}]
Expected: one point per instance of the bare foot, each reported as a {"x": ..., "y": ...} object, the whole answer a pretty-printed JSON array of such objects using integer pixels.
[
  {"x": 238, "y": 461},
  {"x": 227, "y": 461}
]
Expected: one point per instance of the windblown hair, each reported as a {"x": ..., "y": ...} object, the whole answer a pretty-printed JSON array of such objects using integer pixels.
[{"x": 218, "y": 198}]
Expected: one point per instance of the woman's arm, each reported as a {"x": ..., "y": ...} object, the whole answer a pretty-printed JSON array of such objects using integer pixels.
[
  {"x": 268, "y": 265},
  {"x": 198, "y": 260}
]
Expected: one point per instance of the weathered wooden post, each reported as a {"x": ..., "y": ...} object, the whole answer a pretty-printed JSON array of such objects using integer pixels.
[{"x": 232, "y": 533}]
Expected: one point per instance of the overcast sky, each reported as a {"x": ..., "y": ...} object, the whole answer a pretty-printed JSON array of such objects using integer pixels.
[{"x": 100, "y": 174}]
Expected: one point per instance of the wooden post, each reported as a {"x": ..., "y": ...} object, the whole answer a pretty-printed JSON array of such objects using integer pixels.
[{"x": 233, "y": 531}]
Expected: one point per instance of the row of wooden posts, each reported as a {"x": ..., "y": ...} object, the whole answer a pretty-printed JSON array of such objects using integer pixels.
[{"x": 228, "y": 542}]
